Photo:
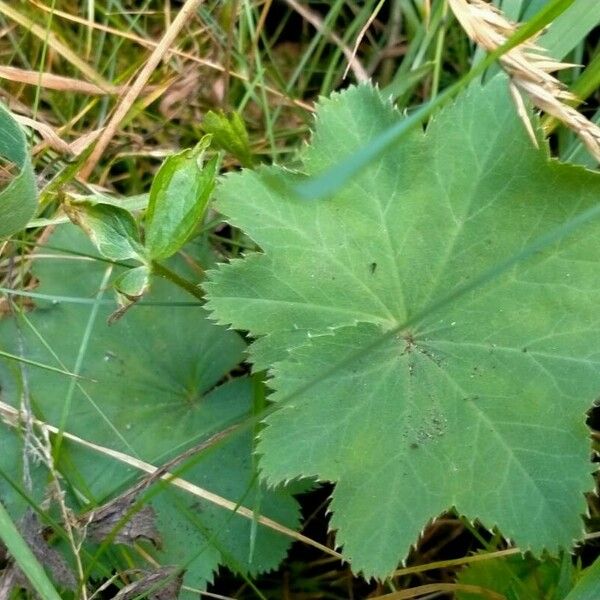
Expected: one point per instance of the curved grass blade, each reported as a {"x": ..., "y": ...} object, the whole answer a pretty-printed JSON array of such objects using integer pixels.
[{"x": 334, "y": 178}]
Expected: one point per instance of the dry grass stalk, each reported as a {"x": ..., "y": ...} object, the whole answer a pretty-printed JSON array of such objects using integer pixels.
[
  {"x": 315, "y": 20},
  {"x": 48, "y": 37},
  {"x": 528, "y": 67},
  {"x": 56, "y": 82},
  {"x": 186, "y": 13},
  {"x": 13, "y": 417}
]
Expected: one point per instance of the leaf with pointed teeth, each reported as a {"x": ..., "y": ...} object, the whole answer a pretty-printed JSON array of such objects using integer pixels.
[{"x": 477, "y": 405}]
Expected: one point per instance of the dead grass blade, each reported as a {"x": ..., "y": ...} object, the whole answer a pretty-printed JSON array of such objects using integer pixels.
[
  {"x": 146, "y": 43},
  {"x": 183, "y": 17},
  {"x": 440, "y": 588},
  {"x": 315, "y": 20},
  {"x": 56, "y": 82},
  {"x": 12, "y": 417}
]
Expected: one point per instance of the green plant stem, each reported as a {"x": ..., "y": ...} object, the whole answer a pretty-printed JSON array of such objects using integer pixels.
[
  {"x": 188, "y": 286},
  {"x": 439, "y": 47},
  {"x": 332, "y": 179}
]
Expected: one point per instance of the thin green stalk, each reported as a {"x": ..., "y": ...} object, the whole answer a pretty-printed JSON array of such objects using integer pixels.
[
  {"x": 439, "y": 47},
  {"x": 66, "y": 408},
  {"x": 35, "y": 363},
  {"x": 260, "y": 77},
  {"x": 166, "y": 273}
]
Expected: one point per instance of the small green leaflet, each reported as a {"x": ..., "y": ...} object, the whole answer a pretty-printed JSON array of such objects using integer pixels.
[
  {"x": 112, "y": 229},
  {"x": 18, "y": 198},
  {"x": 178, "y": 199},
  {"x": 133, "y": 283},
  {"x": 478, "y": 406},
  {"x": 229, "y": 132}
]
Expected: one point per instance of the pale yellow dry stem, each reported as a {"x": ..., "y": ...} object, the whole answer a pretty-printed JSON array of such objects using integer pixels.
[
  {"x": 262, "y": 19},
  {"x": 11, "y": 416},
  {"x": 203, "y": 594},
  {"x": 56, "y": 82},
  {"x": 436, "y": 588},
  {"x": 361, "y": 35},
  {"x": 529, "y": 69},
  {"x": 105, "y": 585},
  {"x": 455, "y": 562},
  {"x": 82, "y": 142},
  {"x": 52, "y": 139},
  {"x": 183, "y": 17},
  {"x": 47, "y": 132}
]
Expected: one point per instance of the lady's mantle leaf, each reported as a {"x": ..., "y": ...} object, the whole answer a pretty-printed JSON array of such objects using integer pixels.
[
  {"x": 152, "y": 387},
  {"x": 478, "y": 406}
]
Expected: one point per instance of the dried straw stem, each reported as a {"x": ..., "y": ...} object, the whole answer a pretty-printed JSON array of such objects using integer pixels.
[{"x": 529, "y": 69}]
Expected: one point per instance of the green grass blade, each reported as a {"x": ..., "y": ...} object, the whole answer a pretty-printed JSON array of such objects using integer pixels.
[
  {"x": 25, "y": 558},
  {"x": 40, "y": 365},
  {"x": 335, "y": 177},
  {"x": 571, "y": 28}
]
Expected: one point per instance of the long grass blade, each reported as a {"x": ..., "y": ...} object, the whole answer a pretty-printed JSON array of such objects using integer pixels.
[
  {"x": 334, "y": 178},
  {"x": 25, "y": 558}
]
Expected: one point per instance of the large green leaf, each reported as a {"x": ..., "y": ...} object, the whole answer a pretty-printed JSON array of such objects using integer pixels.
[
  {"x": 477, "y": 406},
  {"x": 18, "y": 198},
  {"x": 152, "y": 387}
]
